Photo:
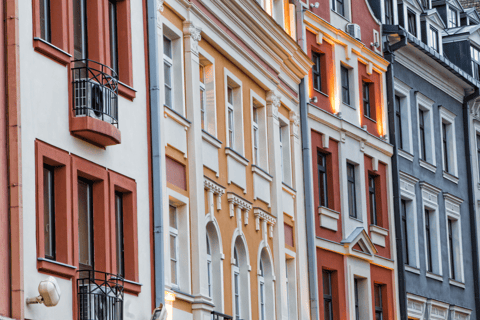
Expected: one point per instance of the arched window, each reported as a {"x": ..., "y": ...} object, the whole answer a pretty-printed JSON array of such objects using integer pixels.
[
  {"x": 213, "y": 259},
  {"x": 236, "y": 284},
  {"x": 261, "y": 281},
  {"x": 266, "y": 286},
  {"x": 240, "y": 281}
]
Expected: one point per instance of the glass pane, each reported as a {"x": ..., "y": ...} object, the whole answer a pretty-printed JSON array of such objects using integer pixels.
[
  {"x": 112, "y": 11},
  {"x": 48, "y": 212},
  {"x": 167, "y": 47},
  {"x": 173, "y": 217},
  {"x": 79, "y": 29},
  {"x": 119, "y": 233},
  {"x": 230, "y": 95},
  {"x": 173, "y": 268},
  {"x": 208, "y": 246},
  {"x": 328, "y": 310},
  {"x": 85, "y": 224},
  {"x": 326, "y": 283}
]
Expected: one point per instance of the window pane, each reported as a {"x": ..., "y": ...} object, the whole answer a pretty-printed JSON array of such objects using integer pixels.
[
  {"x": 173, "y": 258},
  {"x": 119, "y": 233},
  {"x": 167, "y": 47},
  {"x": 173, "y": 217},
  {"x": 85, "y": 223},
  {"x": 230, "y": 95},
  {"x": 49, "y": 212},
  {"x": 79, "y": 29},
  {"x": 112, "y": 11},
  {"x": 45, "y": 29}
]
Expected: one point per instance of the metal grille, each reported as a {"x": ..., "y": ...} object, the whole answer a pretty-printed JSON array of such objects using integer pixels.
[
  {"x": 220, "y": 316},
  {"x": 95, "y": 91},
  {"x": 100, "y": 296}
]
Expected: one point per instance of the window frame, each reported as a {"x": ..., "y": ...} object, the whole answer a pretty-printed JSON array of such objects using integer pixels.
[
  {"x": 434, "y": 38},
  {"x": 328, "y": 297},
  {"x": 431, "y": 230},
  {"x": 453, "y": 206},
  {"x": 173, "y": 232},
  {"x": 91, "y": 222},
  {"x": 428, "y": 156},
  {"x": 322, "y": 171},
  {"x": 449, "y": 144},
  {"x": 209, "y": 266},
  {"x": 113, "y": 34},
  {"x": 352, "y": 190},
  {"x": 203, "y": 97},
  {"x": 388, "y": 12},
  {"x": 372, "y": 196},
  {"x": 411, "y": 14},
  {"x": 317, "y": 71},
  {"x": 452, "y": 17},
  {"x": 367, "y": 104},
  {"x": 259, "y": 104},
  {"x": 236, "y": 109},
  {"x": 408, "y": 194},
  {"x": 377, "y": 288},
  {"x": 345, "y": 84},
  {"x": 168, "y": 62},
  {"x": 210, "y": 118},
  {"x": 475, "y": 58},
  {"x": 402, "y": 91},
  {"x": 50, "y": 196}
]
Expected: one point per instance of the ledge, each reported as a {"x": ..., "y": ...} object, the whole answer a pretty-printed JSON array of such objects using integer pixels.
[
  {"x": 412, "y": 269},
  {"x": 177, "y": 117},
  {"x": 126, "y": 91},
  {"x": 456, "y": 283},
  {"x": 405, "y": 154},
  {"x": 95, "y": 131},
  {"x": 450, "y": 177},
  {"x": 237, "y": 156},
  {"x": 132, "y": 287},
  {"x": 59, "y": 269},
  {"x": 51, "y": 51},
  {"x": 434, "y": 276},
  {"x": 262, "y": 173},
  {"x": 427, "y": 165},
  {"x": 211, "y": 139},
  {"x": 378, "y": 235},
  {"x": 328, "y": 218}
]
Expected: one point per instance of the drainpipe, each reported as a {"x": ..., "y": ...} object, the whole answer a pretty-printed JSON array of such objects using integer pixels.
[
  {"x": 471, "y": 195},
  {"x": 154, "y": 91},
  {"x": 307, "y": 173},
  {"x": 390, "y": 57}
]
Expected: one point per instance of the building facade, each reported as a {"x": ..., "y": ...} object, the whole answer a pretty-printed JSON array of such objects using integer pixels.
[
  {"x": 233, "y": 213},
  {"x": 351, "y": 162}
]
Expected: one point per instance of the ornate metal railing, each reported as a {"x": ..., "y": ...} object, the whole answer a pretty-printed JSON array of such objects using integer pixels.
[
  {"x": 220, "y": 316},
  {"x": 95, "y": 91},
  {"x": 99, "y": 296}
]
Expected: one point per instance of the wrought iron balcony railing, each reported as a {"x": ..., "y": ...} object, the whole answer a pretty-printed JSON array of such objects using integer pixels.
[
  {"x": 95, "y": 91},
  {"x": 99, "y": 296},
  {"x": 220, "y": 316}
]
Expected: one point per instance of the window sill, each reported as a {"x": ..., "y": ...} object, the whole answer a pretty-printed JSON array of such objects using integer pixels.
[
  {"x": 450, "y": 177},
  {"x": 59, "y": 269},
  {"x": 126, "y": 91},
  {"x": 237, "y": 156},
  {"x": 356, "y": 219},
  {"x": 321, "y": 92},
  {"x": 434, "y": 276},
  {"x": 456, "y": 283},
  {"x": 177, "y": 117},
  {"x": 51, "y": 51},
  {"x": 352, "y": 107},
  {"x": 340, "y": 15},
  {"x": 211, "y": 139},
  {"x": 262, "y": 173},
  {"x": 427, "y": 165},
  {"x": 328, "y": 218},
  {"x": 132, "y": 287},
  {"x": 404, "y": 154},
  {"x": 412, "y": 269},
  {"x": 378, "y": 235},
  {"x": 368, "y": 118}
]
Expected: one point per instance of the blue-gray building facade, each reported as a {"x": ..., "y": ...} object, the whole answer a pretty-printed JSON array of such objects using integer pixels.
[{"x": 431, "y": 83}]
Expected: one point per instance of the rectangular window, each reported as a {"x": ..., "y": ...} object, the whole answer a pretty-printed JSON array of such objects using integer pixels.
[
  {"x": 327, "y": 294},
  {"x": 426, "y": 4},
  {"x": 403, "y": 208},
  {"x": 255, "y": 137},
  {"x": 372, "y": 199},
  {"x": 340, "y": 7},
  {"x": 45, "y": 22},
  {"x": 378, "y": 302},
  {"x": 452, "y": 18},
  {"x": 167, "y": 70},
  {"x": 280, "y": 133},
  {"x": 112, "y": 12},
  {"x": 85, "y": 225},
  {"x": 445, "y": 147},
  {"x": 236, "y": 279},
  {"x": 451, "y": 249},
  {"x": 366, "y": 100},
  {"x": 357, "y": 304},
  {"x": 428, "y": 238},
  {"x": 475, "y": 56},
  {"x": 345, "y": 85},
  {"x": 119, "y": 234},
  {"x": 478, "y": 153},
  {"x": 231, "y": 121},
  {"x": 388, "y": 12},
  {"x": 412, "y": 22},
  {"x": 434, "y": 39},
  {"x": 80, "y": 29},
  {"x": 49, "y": 211},
  {"x": 398, "y": 114},
  {"x": 421, "y": 126},
  {"x": 316, "y": 71},
  {"x": 322, "y": 179},
  {"x": 203, "y": 96},
  {"x": 173, "y": 244},
  {"x": 352, "y": 201}
]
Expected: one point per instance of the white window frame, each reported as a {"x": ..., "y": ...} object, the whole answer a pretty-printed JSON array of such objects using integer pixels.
[
  {"x": 417, "y": 12},
  {"x": 256, "y": 102},
  {"x": 408, "y": 193},
  {"x": 453, "y": 212},
  {"x": 285, "y": 150},
  {"x": 403, "y": 92},
  {"x": 425, "y": 104},
  {"x": 169, "y": 62},
  {"x": 430, "y": 202},
  {"x": 209, "y": 265},
  {"x": 261, "y": 291},
  {"x": 173, "y": 232},
  {"x": 203, "y": 96},
  {"x": 451, "y": 10},
  {"x": 448, "y": 118},
  {"x": 237, "y": 108},
  {"x": 290, "y": 285},
  {"x": 237, "y": 290},
  {"x": 210, "y": 119}
]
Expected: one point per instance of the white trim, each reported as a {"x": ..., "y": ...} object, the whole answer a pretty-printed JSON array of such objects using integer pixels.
[
  {"x": 233, "y": 82},
  {"x": 408, "y": 193},
  {"x": 426, "y": 104},
  {"x": 430, "y": 202},
  {"x": 453, "y": 212},
  {"x": 403, "y": 92},
  {"x": 448, "y": 117}
]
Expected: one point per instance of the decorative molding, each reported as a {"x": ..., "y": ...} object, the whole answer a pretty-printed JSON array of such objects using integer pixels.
[
  {"x": 216, "y": 189},
  {"x": 407, "y": 184},
  {"x": 416, "y": 306},
  {"x": 263, "y": 216},
  {"x": 160, "y": 5},
  {"x": 194, "y": 33},
  {"x": 430, "y": 193},
  {"x": 295, "y": 120},
  {"x": 437, "y": 310},
  {"x": 273, "y": 103},
  {"x": 240, "y": 203}
]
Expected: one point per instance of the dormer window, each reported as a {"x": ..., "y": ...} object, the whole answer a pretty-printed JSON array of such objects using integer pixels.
[
  {"x": 412, "y": 22},
  {"x": 426, "y": 4},
  {"x": 388, "y": 12},
  {"x": 452, "y": 18},
  {"x": 434, "y": 38},
  {"x": 475, "y": 54}
]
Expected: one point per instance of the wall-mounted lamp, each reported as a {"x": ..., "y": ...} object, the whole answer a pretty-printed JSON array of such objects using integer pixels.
[
  {"x": 49, "y": 293},
  {"x": 315, "y": 5},
  {"x": 159, "y": 313},
  {"x": 364, "y": 127},
  {"x": 339, "y": 114},
  {"x": 314, "y": 99}
]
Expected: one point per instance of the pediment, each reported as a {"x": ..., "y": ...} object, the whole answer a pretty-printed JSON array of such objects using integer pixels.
[
  {"x": 435, "y": 18},
  {"x": 359, "y": 243},
  {"x": 456, "y": 4},
  {"x": 414, "y": 3}
]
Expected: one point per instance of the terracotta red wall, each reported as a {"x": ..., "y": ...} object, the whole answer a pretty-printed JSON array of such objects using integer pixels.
[
  {"x": 333, "y": 185},
  {"x": 325, "y": 102},
  {"x": 334, "y": 262},
  {"x": 361, "y": 16},
  {"x": 384, "y": 277},
  {"x": 374, "y": 127},
  {"x": 323, "y": 11},
  {"x": 381, "y": 197},
  {"x": 176, "y": 174}
]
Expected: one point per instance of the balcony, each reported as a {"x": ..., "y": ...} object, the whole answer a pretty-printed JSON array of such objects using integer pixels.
[
  {"x": 220, "y": 316},
  {"x": 100, "y": 296},
  {"x": 94, "y": 116}
]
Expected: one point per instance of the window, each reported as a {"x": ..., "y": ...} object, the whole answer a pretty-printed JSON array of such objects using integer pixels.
[
  {"x": 428, "y": 239},
  {"x": 454, "y": 237},
  {"x": 322, "y": 179},
  {"x": 478, "y": 154},
  {"x": 173, "y": 244},
  {"x": 112, "y": 13},
  {"x": 209, "y": 267},
  {"x": 426, "y": 4},
  {"x": 366, "y": 100},
  {"x": 231, "y": 122},
  {"x": 49, "y": 211},
  {"x": 412, "y": 22},
  {"x": 285, "y": 159},
  {"x": 236, "y": 284},
  {"x": 120, "y": 251},
  {"x": 403, "y": 208},
  {"x": 451, "y": 249},
  {"x": 378, "y": 302},
  {"x": 445, "y": 147},
  {"x": 327, "y": 295},
  {"x": 339, "y": 7},
  {"x": 372, "y": 199},
  {"x": 85, "y": 225},
  {"x": 291, "y": 288},
  {"x": 203, "y": 96},
  {"x": 261, "y": 280},
  {"x": 80, "y": 29},
  {"x": 449, "y": 152},
  {"x": 168, "y": 69},
  {"x": 345, "y": 85},
  {"x": 434, "y": 43},
  {"x": 266, "y": 292},
  {"x": 256, "y": 138},
  {"x": 388, "y": 12},
  {"x": 316, "y": 71},
  {"x": 452, "y": 18},
  {"x": 280, "y": 134},
  {"x": 475, "y": 55},
  {"x": 45, "y": 22},
  {"x": 398, "y": 114},
  {"x": 356, "y": 297},
  {"x": 421, "y": 126},
  {"x": 352, "y": 202}
]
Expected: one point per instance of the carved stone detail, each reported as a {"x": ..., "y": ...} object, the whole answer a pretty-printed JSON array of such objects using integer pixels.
[
  {"x": 273, "y": 103},
  {"x": 262, "y": 216},
  {"x": 194, "y": 34},
  {"x": 295, "y": 120},
  {"x": 240, "y": 204},
  {"x": 216, "y": 189}
]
